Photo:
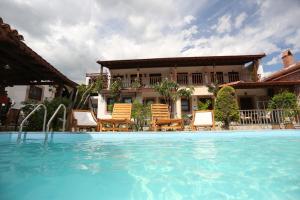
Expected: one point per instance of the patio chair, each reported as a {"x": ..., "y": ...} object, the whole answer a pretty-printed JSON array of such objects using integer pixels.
[
  {"x": 160, "y": 117},
  {"x": 83, "y": 119},
  {"x": 203, "y": 118},
  {"x": 246, "y": 117},
  {"x": 264, "y": 117},
  {"x": 121, "y": 118}
]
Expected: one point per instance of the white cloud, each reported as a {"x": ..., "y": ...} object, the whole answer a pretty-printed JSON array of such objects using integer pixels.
[
  {"x": 294, "y": 41},
  {"x": 239, "y": 20},
  {"x": 72, "y": 35},
  {"x": 273, "y": 61},
  {"x": 224, "y": 24}
]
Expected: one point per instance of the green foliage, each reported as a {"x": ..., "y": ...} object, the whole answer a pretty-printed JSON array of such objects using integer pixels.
[
  {"x": 226, "y": 107},
  {"x": 214, "y": 89},
  {"x": 115, "y": 89},
  {"x": 283, "y": 100},
  {"x": 81, "y": 90},
  {"x": 187, "y": 118},
  {"x": 35, "y": 122},
  {"x": 98, "y": 85},
  {"x": 140, "y": 113},
  {"x": 286, "y": 101},
  {"x": 136, "y": 84},
  {"x": 204, "y": 105},
  {"x": 110, "y": 107},
  {"x": 170, "y": 91}
]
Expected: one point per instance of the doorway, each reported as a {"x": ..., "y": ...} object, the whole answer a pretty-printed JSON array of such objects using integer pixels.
[{"x": 246, "y": 103}]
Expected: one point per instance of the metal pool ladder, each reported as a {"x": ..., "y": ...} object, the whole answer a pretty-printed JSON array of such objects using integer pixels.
[
  {"x": 52, "y": 117},
  {"x": 31, "y": 113}
]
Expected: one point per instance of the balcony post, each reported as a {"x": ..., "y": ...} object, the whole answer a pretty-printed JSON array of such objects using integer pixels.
[{"x": 175, "y": 74}]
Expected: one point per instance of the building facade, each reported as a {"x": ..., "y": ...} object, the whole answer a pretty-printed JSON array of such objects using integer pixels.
[{"x": 198, "y": 72}]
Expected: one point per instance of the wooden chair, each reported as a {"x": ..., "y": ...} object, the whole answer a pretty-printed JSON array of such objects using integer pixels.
[
  {"x": 203, "y": 118},
  {"x": 12, "y": 118},
  {"x": 83, "y": 119},
  {"x": 160, "y": 117},
  {"x": 121, "y": 118}
]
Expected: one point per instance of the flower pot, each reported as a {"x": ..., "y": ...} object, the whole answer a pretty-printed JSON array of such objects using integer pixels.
[
  {"x": 275, "y": 126},
  {"x": 289, "y": 126}
]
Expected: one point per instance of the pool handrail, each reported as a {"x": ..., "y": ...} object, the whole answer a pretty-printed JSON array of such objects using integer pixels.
[
  {"x": 31, "y": 113},
  {"x": 54, "y": 114}
]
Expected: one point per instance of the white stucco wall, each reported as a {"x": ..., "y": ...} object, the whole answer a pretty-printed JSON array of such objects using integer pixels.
[{"x": 18, "y": 94}]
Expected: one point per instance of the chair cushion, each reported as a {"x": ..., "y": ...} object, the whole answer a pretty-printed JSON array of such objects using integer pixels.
[
  {"x": 203, "y": 119},
  {"x": 84, "y": 118}
]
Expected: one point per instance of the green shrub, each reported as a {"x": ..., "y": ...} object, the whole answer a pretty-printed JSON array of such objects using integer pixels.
[
  {"x": 140, "y": 113},
  {"x": 286, "y": 101},
  {"x": 204, "y": 105},
  {"x": 226, "y": 108},
  {"x": 35, "y": 122},
  {"x": 283, "y": 100}
]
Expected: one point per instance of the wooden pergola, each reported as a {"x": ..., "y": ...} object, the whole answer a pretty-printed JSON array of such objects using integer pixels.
[{"x": 20, "y": 65}]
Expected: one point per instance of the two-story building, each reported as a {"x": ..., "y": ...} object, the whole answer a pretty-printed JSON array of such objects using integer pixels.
[{"x": 198, "y": 72}]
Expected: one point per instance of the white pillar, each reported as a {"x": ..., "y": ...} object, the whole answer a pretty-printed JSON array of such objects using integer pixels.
[
  {"x": 178, "y": 108},
  {"x": 101, "y": 111}
]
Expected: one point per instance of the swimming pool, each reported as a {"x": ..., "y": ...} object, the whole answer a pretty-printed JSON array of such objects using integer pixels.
[{"x": 225, "y": 165}]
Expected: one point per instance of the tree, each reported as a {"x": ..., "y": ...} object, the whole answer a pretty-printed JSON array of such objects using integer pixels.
[
  {"x": 226, "y": 108},
  {"x": 170, "y": 90}
]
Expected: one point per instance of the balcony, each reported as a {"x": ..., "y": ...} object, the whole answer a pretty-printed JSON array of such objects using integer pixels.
[
  {"x": 154, "y": 79},
  {"x": 233, "y": 76},
  {"x": 182, "y": 78}
]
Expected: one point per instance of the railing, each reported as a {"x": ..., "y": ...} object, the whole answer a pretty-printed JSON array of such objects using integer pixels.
[
  {"x": 197, "y": 79},
  {"x": 269, "y": 117},
  {"x": 154, "y": 80},
  {"x": 29, "y": 115},
  {"x": 233, "y": 76},
  {"x": 182, "y": 78},
  {"x": 55, "y": 113}
]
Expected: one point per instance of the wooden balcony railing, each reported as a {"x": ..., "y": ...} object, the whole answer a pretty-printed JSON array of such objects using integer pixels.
[
  {"x": 154, "y": 80},
  {"x": 182, "y": 78},
  {"x": 233, "y": 76}
]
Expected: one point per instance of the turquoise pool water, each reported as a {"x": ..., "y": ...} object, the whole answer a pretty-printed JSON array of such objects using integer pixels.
[{"x": 239, "y": 165}]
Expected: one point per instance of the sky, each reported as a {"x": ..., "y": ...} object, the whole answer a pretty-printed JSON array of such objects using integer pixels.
[{"x": 73, "y": 34}]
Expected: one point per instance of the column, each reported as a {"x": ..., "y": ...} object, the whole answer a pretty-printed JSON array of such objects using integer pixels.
[
  {"x": 101, "y": 111},
  {"x": 178, "y": 108}
]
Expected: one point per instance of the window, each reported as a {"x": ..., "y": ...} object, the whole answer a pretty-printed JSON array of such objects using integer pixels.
[
  {"x": 162, "y": 100},
  {"x": 155, "y": 78},
  {"x": 127, "y": 100},
  {"x": 35, "y": 93},
  {"x": 182, "y": 78},
  {"x": 148, "y": 101},
  {"x": 197, "y": 79},
  {"x": 233, "y": 76},
  {"x": 216, "y": 77},
  {"x": 185, "y": 105},
  {"x": 219, "y": 77}
]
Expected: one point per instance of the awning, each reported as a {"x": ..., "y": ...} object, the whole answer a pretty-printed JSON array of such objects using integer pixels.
[
  {"x": 180, "y": 61},
  {"x": 20, "y": 65}
]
